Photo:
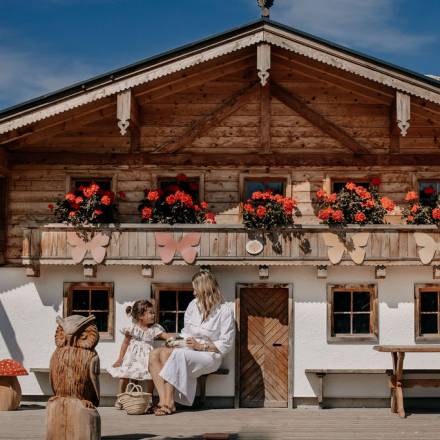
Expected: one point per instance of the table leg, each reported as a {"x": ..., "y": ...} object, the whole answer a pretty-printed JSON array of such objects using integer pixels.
[
  {"x": 399, "y": 379},
  {"x": 393, "y": 383}
]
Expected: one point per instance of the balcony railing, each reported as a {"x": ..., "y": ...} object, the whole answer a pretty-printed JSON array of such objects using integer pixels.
[{"x": 311, "y": 245}]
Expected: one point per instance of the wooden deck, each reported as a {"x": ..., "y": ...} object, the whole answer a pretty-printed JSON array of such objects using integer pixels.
[{"x": 255, "y": 424}]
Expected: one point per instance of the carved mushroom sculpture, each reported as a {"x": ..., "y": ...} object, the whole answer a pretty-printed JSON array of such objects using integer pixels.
[{"x": 10, "y": 390}]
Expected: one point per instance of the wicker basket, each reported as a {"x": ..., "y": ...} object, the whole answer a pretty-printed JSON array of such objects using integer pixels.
[{"x": 134, "y": 400}]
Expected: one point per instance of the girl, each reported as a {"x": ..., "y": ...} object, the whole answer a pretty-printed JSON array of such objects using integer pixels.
[{"x": 132, "y": 362}]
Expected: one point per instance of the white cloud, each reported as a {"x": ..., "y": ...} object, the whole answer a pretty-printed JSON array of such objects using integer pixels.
[
  {"x": 25, "y": 75},
  {"x": 367, "y": 24}
]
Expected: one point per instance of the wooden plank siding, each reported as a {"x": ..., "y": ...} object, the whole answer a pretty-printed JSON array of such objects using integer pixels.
[{"x": 225, "y": 245}]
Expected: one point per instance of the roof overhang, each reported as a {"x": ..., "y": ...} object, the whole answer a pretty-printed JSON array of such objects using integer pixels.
[{"x": 188, "y": 56}]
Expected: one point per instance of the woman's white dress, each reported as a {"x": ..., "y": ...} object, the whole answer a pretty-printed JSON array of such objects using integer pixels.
[
  {"x": 135, "y": 363},
  {"x": 185, "y": 365}
]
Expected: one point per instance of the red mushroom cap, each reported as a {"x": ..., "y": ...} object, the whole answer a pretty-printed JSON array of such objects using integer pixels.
[{"x": 9, "y": 367}]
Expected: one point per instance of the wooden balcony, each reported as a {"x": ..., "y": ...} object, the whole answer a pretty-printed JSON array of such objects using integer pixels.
[{"x": 311, "y": 245}]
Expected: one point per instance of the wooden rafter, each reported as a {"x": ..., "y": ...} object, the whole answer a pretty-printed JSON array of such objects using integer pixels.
[
  {"x": 220, "y": 159},
  {"x": 211, "y": 120},
  {"x": 378, "y": 93},
  {"x": 298, "y": 105},
  {"x": 265, "y": 118},
  {"x": 67, "y": 122}
]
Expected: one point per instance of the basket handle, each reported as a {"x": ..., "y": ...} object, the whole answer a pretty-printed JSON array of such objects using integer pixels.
[{"x": 133, "y": 387}]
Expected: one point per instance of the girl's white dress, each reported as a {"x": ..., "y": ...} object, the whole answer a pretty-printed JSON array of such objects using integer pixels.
[
  {"x": 135, "y": 363},
  {"x": 185, "y": 365}
]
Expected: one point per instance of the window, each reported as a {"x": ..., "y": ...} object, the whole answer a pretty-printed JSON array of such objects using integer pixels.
[
  {"x": 352, "y": 313},
  {"x": 428, "y": 192},
  {"x": 191, "y": 185},
  {"x": 171, "y": 301},
  {"x": 427, "y": 313},
  {"x": 274, "y": 185},
  {"x": 91, "y": 299},
  {"x": 338, "y": 184}
]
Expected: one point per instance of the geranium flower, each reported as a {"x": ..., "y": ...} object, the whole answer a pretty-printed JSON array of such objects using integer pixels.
[
  {"x": 210, "y": 217},
  {"x": 261, "y": 211},
  {"x": 350, "y": 186},
  {"x": 70, "y": 197},
  {"x": 410, "y": 218},
  {"x": 415, "y": 208},
  {"x": 324, "y": 214},
  {"x": 436, "y": 213},
  {"x": 171, "y": 199},
  {"x": 98, "y": 212},
  {"x": 429, "y": 190},
  {"x": 368, "y": 204},
  {"x": 204, "y": 205},
  {"x": 387, "y": 203},
  {"x": 338, "y": 216},
  {"x": 72, "y": 213},
  {"x": 78, "y": 200},
  {"x": 410, "y": 196},
  {"x": 146, "y": 213},
  {"x": 248, "y": 207},
  {"x": 152, "y": 196},
  {"x": 257, "y": 195},
  {"x": 331, "y": 198},
  {"x": 321, "y": 193},
  {"x": 106, "y": 200},
  {"x": 375, "y": 181},
  {"x": 359, "y": 217}
]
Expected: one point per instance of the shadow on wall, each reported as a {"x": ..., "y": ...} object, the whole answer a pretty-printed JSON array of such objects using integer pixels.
[{"x": 8, "y": 334}]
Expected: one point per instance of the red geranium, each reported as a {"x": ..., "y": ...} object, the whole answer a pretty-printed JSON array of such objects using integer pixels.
[
  {"x": 375, "y": 181},
  {"x": 436, "y": 213},
  {"x": 261, "y": 211},
  {"x": 152, "y": 196},
  {"x": 360, "y": 217}
]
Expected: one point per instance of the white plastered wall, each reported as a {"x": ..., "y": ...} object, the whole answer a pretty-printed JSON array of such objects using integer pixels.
[{"x": 28, "y": 307}]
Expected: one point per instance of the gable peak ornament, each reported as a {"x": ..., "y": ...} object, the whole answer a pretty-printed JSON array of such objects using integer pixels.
[{"x": 265, "y": 5}]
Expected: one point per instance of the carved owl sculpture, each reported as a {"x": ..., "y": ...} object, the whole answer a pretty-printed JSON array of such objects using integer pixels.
[{"x": 74, "y": 366}]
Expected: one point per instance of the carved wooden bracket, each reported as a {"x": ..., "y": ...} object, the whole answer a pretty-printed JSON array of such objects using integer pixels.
[
  {"x": 147, "y": 271},
  {"x": 426, "y": 247},
  {"x": 186, "y": 246},
  {"x": 380, "y": 272},
  {"x": 263, "y": 271},
  {"x": 354, "y": 245},
  {"x": 403, "y": 112},
  {"x": 263, "y": 62},
  {"x": 321, "y": 271},
  {"x": 96, "y": 246}
]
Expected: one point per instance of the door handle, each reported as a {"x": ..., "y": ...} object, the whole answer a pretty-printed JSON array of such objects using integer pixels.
[{"x": 276, "y": 344}]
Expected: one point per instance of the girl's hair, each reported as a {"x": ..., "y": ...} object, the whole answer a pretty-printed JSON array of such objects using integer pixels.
[
  {"x": 138, "y": 308},
  {"x": 207, "y": 292}
]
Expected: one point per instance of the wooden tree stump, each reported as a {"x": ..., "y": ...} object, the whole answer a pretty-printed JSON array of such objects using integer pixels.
[
  {"x": 69, "y": 419},
  {"x": 10, "y": 393}
]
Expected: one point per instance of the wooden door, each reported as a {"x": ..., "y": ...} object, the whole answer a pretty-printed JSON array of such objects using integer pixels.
[{"x": 264, "y": 347}]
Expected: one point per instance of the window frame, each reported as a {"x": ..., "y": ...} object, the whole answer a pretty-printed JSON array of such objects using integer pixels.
[
  {"x": 69, "y": 287},
  {"x": 329, "y": 179},
  {"x": 373, "y": 336},
  {"x": 71, "y": 178},
  {"x": 155, "y": 295},
  {"x": 421, "y": 180},
  {"x": 286, "y": 178},
  {"x": 157, "y": 176},
  {"x": 418, "y": 337}
]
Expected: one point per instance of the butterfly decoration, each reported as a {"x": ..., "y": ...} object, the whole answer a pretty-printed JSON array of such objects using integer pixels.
[
  {"x": 186, "y": 246},
  {"x": 426, "y": 247},
  {"x": 337, "y": 248},
  {"x": 96, "y": 246}
]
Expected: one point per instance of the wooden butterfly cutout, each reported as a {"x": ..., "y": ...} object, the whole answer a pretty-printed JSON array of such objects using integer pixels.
[
  {"x": 427, "y": 247},
  {"x": 186, "y": 246},
  {"x": 337, "y": 248},
  {"x": 96, "y": 246}
]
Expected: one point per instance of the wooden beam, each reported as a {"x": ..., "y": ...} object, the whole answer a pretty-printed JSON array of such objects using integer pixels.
[
  {"x": 298, "y": 105},
  {"x": 265, "y": 118},
  {"x": 211, "y": 120},
  {"x": 220, "y": 159},
  {"x": 403, "y": 112},
  {"x": 394, "y": 131},
  {"x": 73, "y": 123},
  {"x": 263, "y": 62},
  {"x": 127, "y": 113}
]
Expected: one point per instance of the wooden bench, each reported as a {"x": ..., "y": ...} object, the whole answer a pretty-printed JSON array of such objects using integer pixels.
[
  {"x": 321, "y": 373},
  {"x": 201, "y": 381},
  {"x": 201, "y": 400}
]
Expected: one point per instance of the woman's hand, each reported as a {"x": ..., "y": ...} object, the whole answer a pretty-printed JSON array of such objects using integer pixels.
[
  {"x": 117, "y": 364},
  {"x": 192, "y": 343}
]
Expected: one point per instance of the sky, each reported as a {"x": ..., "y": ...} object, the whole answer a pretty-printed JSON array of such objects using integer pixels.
[{"x": 49, "y": 44}]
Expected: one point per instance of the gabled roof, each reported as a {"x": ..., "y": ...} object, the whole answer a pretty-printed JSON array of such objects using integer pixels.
[{"x": 260, "y": 31}]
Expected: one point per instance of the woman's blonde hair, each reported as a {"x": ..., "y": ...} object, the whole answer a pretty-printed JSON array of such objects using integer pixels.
[{"x": 207, "y": 292}]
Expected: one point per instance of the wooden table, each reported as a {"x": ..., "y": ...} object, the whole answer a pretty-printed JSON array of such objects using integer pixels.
[{"x": 396, "y": 379}]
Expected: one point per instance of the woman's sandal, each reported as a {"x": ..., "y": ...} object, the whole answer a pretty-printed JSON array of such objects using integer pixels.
[{"x": 164, "y": 410}]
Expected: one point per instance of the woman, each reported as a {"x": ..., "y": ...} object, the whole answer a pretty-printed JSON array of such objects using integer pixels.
[{"x": 209, "y": 330}]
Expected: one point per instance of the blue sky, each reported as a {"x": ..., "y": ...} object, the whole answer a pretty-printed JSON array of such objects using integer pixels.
[{"x": 49, "y": 44}]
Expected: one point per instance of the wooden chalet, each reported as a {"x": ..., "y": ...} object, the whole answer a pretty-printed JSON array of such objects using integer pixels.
[{"x": 261, "y": 104}]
